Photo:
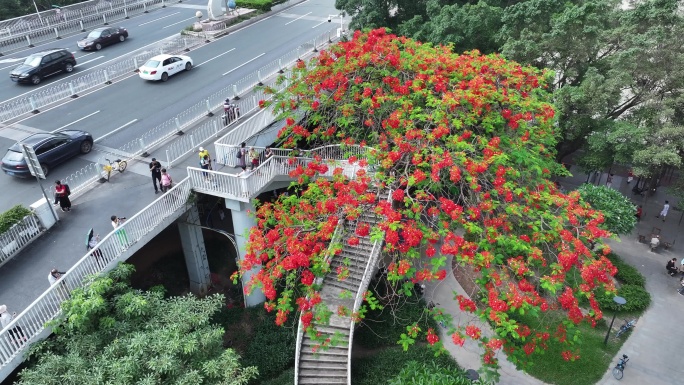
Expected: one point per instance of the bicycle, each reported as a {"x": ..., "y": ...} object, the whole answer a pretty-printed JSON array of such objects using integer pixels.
[
  {"x": 625, "y": 328},
  {"x": 620, "y": 367},
  {"x": 116, "y": 165}
]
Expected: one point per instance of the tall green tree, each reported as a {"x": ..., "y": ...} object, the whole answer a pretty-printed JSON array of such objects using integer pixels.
[
  {"x": 618, "y": 211},
  {"x": 110, "y": 333}
]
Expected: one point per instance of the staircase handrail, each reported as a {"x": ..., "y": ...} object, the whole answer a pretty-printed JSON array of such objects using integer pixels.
[
  {"x": 365, "y": 282},
  {"x": 337, "y": 234}
]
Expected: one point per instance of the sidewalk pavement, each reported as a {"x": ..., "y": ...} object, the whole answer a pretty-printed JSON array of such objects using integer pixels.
[{"x": 653, "y": 346}]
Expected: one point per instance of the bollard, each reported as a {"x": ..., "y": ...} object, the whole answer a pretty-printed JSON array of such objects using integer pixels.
[
  {"x": 81, "y": 11},
  {"x": 57, "y": 34},
  {"x": 163, "y": 5},
  {"x": 209, "y": 113},
  {"x": 111, "y": 6},
  {"x": 104, "y": 18},
  {"x": 161, "y": 50},
  {"x": 280, "y": 66},
  {"x": 28, "y": 39},
  {"x": 34, "y": 107},
  {"x": 168, "y": 160},
  {"x": 145, "y": 8},
  {"x": 236, "y": 97},
  {"x": 125, "y": 12},
  {"x": 135, "y": 64},
  {"x": 192, "y": 142},
  {"x": 216, "y": 127},
  {"x": 82, "y": 27},
  {"x": 178, "y": 125},
  {"x": 298, "y": 59},
  {"x": 260, "y": 83},
  {"x": 315, "y": 49},
  {"x": 145, "y": 154},
  {"x": 72, "y": 90},
  {"x": 329, "y": 39},
  {"x": 106, "y": 74},
  {"x": 185, "y": 44}
]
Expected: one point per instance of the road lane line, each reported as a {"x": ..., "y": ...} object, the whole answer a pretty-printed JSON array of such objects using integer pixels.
[
  {"x": 245, "y": 63},
  {"x": 182, "y": 21},
  {"x": 152, "y": 21},
  {"x": 215, "y": 57},
  {"x": 321, "y": 23},
  {"x": 116, "y": 130},
  {"x": 297, "y": 18},
  {"x": 76, "y": 121},
  {"x": 88, "y": 61},
  {"x": 81, "y": 57}
]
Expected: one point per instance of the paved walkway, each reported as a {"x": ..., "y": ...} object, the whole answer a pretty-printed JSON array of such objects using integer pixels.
[{"x": 655, "y": 345}]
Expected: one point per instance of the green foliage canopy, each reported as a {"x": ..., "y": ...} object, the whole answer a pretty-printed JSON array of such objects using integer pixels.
[{"x": 619, "y": 212}]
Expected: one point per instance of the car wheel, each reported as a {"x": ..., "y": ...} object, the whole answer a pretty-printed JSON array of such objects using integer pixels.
[
  {"x": 68, "y": 67},
  {"x": 98, "y": 46},
  {"x": 188, "y": 66},
  {"x": 35, "y": 79},
  {"x": 164, "y": 77},
  {"x": 86, "y": 146},
  {"x": 45, "y": 168},
  {"x": 122, "y": 38}
]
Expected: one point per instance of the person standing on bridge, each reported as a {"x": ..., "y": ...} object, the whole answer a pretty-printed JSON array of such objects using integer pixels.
[
  {"x": 202, "y": 153},
  {"x": 155, "y": 169},
  {"x": 16, "y": 333}
]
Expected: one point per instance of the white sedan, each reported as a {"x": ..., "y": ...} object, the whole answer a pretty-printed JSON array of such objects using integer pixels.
[{"x": 161, "y": 67}]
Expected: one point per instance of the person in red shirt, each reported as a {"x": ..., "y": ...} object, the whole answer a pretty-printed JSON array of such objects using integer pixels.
[
  {"x": 639, "y": 211},
  {"x": 62, "y": 193}
]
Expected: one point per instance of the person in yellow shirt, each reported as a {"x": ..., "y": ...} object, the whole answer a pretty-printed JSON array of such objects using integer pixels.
[{"x": 202, "y": 153}]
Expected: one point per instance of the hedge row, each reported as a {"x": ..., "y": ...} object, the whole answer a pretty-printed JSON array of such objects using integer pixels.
[
  {"x": 632, "y": 289},
  {"x": 261, "y": 5},
  {"x": 12, "y": 216},
  {"x": 627, "y": 274}
]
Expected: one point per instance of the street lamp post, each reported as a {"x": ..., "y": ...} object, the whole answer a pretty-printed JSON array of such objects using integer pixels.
[
  {"x": 620, "y": 301},
  {"x": 37, "y": 12}
]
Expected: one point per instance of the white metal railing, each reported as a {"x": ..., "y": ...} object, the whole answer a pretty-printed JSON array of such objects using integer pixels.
[
  {"x": 365, "y": 281},
  {"x": 80, "y": 180},
  {"x": 19, "y": 236},
  {"x": 33, "y": 319},
  {"x": 337, "y": 234}
]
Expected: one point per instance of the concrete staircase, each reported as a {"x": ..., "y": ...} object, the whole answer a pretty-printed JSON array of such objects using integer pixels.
[{"x": 330, "y": 365}]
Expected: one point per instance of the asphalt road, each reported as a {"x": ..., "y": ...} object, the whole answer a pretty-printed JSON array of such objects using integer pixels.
[
  {"x": 130, "y": 107},
  {"x": 143, "y": 30}
]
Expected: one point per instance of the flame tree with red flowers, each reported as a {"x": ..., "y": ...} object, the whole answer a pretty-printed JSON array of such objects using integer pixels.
[{"x": 466, "y": 144}]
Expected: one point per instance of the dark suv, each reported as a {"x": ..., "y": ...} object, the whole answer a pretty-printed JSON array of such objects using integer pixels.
[{"x": 43, "y": 64}]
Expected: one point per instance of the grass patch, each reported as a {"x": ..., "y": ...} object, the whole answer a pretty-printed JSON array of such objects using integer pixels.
[{"x": 385, "y": 364}]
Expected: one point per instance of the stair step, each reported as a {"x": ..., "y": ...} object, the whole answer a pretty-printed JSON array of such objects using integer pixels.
[
  {"x": 317, "y": 381},
  {"x": 323, "y": 365},
  {"x": 310, "y": 357},
  {"x": 332, "y": 329},
  {"x": 339, "y": 373},
  {"x": 342, "y": 285}
]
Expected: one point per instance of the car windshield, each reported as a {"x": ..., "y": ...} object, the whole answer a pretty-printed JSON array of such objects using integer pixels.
[
  {"x": 14, "y": 156},
  {"x": 94, "y": 34},
  {"x": 152, "y": 63},
  {"x": 33, "y": 60}
]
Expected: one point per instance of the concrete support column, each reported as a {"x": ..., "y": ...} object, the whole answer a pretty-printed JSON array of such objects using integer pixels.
[
  {"x": 195, "y": 253},
  {"x": 242, "y": 223}
]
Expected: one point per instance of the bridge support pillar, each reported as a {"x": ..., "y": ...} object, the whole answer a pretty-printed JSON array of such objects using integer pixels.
[
  {"x": 242, "y": 223},
  {"x": 195, "y": 253}
]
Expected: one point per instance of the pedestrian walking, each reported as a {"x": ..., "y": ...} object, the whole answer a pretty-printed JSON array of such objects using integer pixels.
[
  {"x": 16, "y": 333},
  {"x": 91, "y": 244},
  {"x": 202, "y": 153},
  {"x": 117, "y": 222},
  {"x": 230, "y": 112},
  {"x": 268, "y": 153},
  {"x": 55, "y": 276},
  {"x": 206, "y": 165},
  {"x": 62, "y": 192},
  {"x": 639, "y": 212},
  {"x": 663, "y": 212},
  {"x": 254, "y": 157},
  {"x": 155, "y": 169},
  {"x": 630, "y": 177},
  {"x": 609, "y": 181},
  {"x": 242, "y": 155},
  {"x": 166, "y": 180}
]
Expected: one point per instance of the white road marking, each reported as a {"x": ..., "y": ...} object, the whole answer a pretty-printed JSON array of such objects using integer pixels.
[
  {"x": 245, "y": 63},
  {"x": 116, "y": 130},
  {"x": 321, "y": 23},
  {"x": 215, "y": 57},
  {"x": 76, "y": 121},
  {"x": 182, "y": 21},
  {"x": 152, "y": 21},
  {"x": 88, "y": 61},
  {"x": 297, "y": 18}
]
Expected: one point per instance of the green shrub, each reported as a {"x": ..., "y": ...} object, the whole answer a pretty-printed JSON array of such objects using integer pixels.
[
  {"x": 12, "y": 216},
  {"x": 259, "y": 5},
  {"x": 627, "y": 274},
  {"x": 383, "y": 365},
  {"x": 271, "y": 348},
  {"x": 638, "y": 299},
  {"x": 285, "y": 378}
]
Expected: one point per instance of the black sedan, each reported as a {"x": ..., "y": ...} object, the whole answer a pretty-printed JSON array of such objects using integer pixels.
[
  {"x": 101, "y": 37},
  {"x": 51, "y": 148}
]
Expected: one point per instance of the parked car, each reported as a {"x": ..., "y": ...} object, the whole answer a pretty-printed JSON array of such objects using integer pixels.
[
  {"x": 161, "y": 67},
  {"x": 101, "y": 37},
  {"x": 43, "y": 64},
  {"x": 51, "y": 148}
]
